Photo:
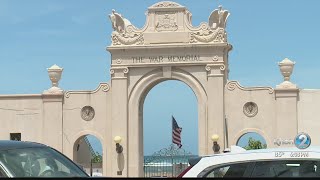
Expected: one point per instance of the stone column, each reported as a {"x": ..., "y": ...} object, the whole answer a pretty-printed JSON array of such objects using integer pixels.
[
  {"x": 215, "y": 119},
  {"x": 52, "y": 111},
  {"x": 286, "y": 95},
  {"x": 119, "y": 83}
]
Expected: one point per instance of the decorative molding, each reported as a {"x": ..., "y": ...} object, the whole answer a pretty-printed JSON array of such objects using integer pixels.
[
  {"x": 250, "y": 109},
  {"x": 286, "y": 85},
  {"x": 118, "y": 61},
  {"x": 215, "y": 58},
  {"x": 127, "y": 39},
  {"x": 124, "y": 32},
  {"x": 232, "y": 85},
  {"x": 27, "y": 96},
  {"x": 53, "y": 91},
  {"x": 87, "y": 113},
  {"x": 125, "y": 70},
  {"x": 206, "y": 35},
  {"x": 165, "y": 17},
  {"x": 222, "y": 67},
  {"x": 166, "y": 4},
  {"x": 102, "y": 86},
  {"x": 166, "y": 22},
  {"x": 208, "y": 67}
]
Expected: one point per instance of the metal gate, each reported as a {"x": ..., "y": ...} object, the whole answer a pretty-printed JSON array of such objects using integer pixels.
[{"x": 168, "y": 162}]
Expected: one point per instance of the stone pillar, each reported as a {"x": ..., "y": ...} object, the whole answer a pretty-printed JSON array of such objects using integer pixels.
[
  {"x": 52, "y": 131},
  {"x": 215, "y": 119},
  {"x": 119, "y": 83},
  {"x": 286, "y": 95}
]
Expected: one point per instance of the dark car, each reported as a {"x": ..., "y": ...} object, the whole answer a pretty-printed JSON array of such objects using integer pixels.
[{"x": 29, "y": 159}]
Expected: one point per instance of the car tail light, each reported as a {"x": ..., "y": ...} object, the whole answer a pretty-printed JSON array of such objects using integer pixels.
[{"x": 184, "y": 172}]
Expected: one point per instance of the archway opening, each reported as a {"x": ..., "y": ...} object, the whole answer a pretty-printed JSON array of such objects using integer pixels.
[
  {"x": 168, "y": 100},
  {"x": 252, "y": 140},
  {"x": 88, "y": 154}
]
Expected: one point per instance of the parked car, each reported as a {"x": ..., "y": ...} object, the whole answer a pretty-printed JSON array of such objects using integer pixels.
[
  {"x": 280, "y": 162},
  {"x": 29, "y": 159}
]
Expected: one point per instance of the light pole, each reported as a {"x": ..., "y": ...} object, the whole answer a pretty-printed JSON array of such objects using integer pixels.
[
  {"x": 119, "y": 150},
  {"x": 215, "y": 146}
]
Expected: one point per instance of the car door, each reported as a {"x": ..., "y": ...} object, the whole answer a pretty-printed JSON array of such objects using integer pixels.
[
  {"x": 286, "y": 168},
  {"x": 234, "y": 169}
]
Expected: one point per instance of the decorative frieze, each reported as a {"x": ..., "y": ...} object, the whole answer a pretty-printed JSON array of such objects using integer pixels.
[
  {"x": 166, "y": 4},
  {"x": 207, "y": 35},
  {"x": 169, "y": 17},
  {"x": 126, "y": 39}
]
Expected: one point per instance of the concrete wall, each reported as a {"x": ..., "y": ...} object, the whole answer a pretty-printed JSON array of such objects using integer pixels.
[
  {"x": 100, "y": 126},
  {"x": 282, "y": 113},
  {"x": 82, "y": 155},
  {"x": 308, "y": 114},
  {"x": 22, "y": 114},
  {"x": 264, "y": 122}
]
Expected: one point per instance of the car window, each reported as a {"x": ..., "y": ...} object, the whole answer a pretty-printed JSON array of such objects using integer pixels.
[
  {"x": 2, "y": 174},
  {"x": 229, "y": 170},
  {"x": 287, "y": 168},
  {"x": 39, "y": 162},
  {"x": 62, "y": 167}
]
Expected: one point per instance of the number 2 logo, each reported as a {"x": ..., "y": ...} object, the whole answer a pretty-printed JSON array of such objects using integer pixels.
[{"x": 302, "y": 141}]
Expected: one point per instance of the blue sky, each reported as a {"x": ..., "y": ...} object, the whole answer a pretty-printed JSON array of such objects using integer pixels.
[{"x": 73, "y": 34}]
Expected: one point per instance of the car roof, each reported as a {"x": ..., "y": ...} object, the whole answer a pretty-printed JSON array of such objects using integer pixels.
[
  {"x": 290, "y": 153},
  {"x": 268, "y": 150},
  {"x": 7, "y": 144}
]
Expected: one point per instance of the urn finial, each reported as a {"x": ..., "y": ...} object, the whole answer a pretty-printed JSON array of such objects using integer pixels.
[
  {"x": 55, "y": 73},
  {"x": 286, "y": 68}
]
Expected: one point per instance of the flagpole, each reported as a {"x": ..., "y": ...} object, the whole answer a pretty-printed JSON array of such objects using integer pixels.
[
  {"x": 172, "y": 146},
  {"x": 226, "y": 132}
]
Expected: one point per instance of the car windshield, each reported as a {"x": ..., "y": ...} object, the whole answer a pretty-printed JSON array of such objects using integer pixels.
[{"x": 38, "y": 162}]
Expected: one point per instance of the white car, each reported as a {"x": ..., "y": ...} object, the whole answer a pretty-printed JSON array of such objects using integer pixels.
[{"x": 280, "y": 162}]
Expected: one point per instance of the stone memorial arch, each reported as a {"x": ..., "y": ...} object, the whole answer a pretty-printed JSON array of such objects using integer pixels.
[{"x": 168, "y": 47}]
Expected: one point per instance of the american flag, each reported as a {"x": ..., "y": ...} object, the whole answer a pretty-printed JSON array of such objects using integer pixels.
[{"x": 176, "y": 133}]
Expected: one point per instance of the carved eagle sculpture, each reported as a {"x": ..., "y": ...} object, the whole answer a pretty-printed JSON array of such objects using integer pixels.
[
  {"x": 218, "y": 18},
  {"x": 119, "y": 23}
]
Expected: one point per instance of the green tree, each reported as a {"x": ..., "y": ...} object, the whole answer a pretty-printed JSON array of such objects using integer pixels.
[
  {"x": 97, "y": 158},
  {"x": 255, "y": 144}
]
